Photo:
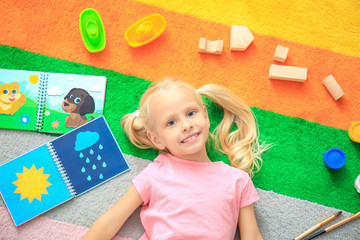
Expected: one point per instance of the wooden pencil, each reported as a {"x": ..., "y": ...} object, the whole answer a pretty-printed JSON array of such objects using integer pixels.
[
  {"x": 323, "y": 222},
  {"x": 338, "y": 224}
]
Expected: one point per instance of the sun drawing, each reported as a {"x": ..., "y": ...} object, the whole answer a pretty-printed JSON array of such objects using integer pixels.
[
  {"x": 33, "y": 79},
  {"x": 32, "y": 183}
]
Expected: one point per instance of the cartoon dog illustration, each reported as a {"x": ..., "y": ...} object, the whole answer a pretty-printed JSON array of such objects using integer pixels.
[
  {"x": 77, "y": 102},
  {"x": 11, "y": 99}
]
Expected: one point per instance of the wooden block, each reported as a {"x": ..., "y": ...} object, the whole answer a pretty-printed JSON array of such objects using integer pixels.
[
  {"x": 333, "y": 87},
  {"x": 241, "y": 38},
  {"x": 281, "y": 53},
  {"x": 290, "y": 73},
  {"x": 212, "y": 47}
]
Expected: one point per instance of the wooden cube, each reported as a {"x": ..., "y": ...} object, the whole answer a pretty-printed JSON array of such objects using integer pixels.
[{"x": 281, "y": 53}]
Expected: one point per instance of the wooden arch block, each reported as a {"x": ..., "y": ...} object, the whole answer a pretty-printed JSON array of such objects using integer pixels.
[{"x": 212, "y": 47}]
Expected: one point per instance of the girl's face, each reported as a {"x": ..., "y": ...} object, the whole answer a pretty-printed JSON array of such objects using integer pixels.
[{"x": 180, "y": 124}]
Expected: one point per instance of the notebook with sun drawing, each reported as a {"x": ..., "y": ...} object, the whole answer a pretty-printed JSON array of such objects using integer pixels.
[
  {"x": 49, "y": 102},
  {"x": 60, "y": 170}
]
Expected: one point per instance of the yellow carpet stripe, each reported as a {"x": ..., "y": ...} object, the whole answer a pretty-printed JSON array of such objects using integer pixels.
[{"x": 332, "y": 25}]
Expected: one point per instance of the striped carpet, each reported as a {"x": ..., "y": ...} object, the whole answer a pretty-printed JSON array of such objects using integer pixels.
[{"x": 301, "y": 120}]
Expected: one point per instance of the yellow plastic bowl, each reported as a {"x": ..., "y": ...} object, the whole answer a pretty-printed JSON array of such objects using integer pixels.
[
  {"x": 145, "y": 30},
  {"x": 354, "y": 131}
]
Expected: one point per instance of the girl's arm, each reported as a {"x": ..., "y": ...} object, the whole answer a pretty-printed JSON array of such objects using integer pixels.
[
  {"x": 108, "y": 224},
  {"x": 247, "y": 224}
]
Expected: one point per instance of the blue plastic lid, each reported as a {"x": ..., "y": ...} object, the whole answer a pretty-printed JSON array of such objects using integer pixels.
[{"x": 334, "y": 158}]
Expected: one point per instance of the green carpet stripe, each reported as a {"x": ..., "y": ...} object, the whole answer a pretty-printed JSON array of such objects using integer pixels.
[{"x": 293, "y": 166}]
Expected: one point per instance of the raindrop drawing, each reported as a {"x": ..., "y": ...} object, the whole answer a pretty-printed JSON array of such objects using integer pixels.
[{"x": 85, "y": 144}]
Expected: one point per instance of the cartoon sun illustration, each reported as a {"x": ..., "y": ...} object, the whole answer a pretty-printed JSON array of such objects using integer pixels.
[
  {"x": 33, "y": 79},
  {"x": 31, "y": 183}
]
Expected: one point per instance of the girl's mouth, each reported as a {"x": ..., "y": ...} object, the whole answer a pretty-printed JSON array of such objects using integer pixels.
[{"x": 190, "y": 138}]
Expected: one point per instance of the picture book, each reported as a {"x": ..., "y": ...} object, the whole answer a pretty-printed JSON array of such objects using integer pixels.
[
  {"x": 49, "y": 102},
  {"x": 60, "y": 170}
]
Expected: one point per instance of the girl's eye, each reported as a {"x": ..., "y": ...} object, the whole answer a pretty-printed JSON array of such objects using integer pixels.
[
  {"x": 6, "y": 91},
  {"x": 77, "y": 100},
  {"x": 170, "y": 123},
  {"x": 71, "y": 96},
  {"x": 192, "y": 113}
]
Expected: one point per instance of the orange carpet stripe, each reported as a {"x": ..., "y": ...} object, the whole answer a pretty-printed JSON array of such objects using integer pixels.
[{"x": 53, "y": 31}]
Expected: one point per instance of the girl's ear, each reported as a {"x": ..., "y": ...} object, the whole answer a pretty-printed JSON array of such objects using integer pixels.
[
  {"x": 206, "y": 115},
  {"x": 205, "y": 111},
  {"x": 155, "y": 140}
]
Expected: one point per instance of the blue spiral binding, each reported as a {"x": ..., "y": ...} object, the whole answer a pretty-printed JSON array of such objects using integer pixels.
[
  {"x": 61, "y": 170},
  {"x": 43, "y": 84}
]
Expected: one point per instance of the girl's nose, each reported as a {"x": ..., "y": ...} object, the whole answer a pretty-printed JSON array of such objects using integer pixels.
[{"x": 186, "y": 125}]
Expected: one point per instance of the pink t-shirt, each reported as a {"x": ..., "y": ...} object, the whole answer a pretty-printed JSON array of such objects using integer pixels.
[{"x": 192, "y": 200}]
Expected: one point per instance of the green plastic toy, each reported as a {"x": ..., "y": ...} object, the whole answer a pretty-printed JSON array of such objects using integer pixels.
[{"x": 92, "y": 30}]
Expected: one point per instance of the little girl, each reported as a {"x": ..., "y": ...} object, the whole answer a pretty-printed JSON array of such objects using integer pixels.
[{"x": 185, "y": 195}]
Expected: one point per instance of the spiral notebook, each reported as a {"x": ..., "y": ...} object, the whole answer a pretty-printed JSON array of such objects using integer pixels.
[
  {"x": 60, "y": 170},
  {"x": 49, "y": 102}
]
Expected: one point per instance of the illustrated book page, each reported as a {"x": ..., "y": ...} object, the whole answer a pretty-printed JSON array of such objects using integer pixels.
[
  {"x": 59, "y": 170},
  {"x": 49, "y": 102}
]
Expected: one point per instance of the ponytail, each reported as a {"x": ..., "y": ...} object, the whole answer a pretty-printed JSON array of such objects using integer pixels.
[
  {"x": 135, "y": 131},
  {"x": 241, "y": 145}
]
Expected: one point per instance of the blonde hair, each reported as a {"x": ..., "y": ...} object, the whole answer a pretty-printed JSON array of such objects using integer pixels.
[{"x": 241, "y": 145}]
